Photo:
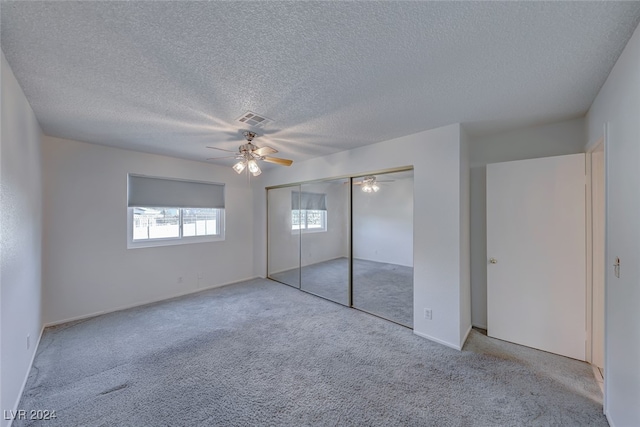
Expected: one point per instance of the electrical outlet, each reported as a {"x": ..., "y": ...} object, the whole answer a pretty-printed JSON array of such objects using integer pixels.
[
  {"x": 427, "y": 314},
  {"x": 28, "y": 341}
]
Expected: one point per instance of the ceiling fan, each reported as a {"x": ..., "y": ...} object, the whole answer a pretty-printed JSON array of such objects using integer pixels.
[
  {"x": 248, "y": 153},
  {"x": 369, "y": 184}
]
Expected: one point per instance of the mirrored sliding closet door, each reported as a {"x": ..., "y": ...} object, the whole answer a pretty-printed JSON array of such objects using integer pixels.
[
  {"x": 383, "y": 245},
  {"x": 348, "y": 240},
  {"x": 283, "y": 262},
  {"x": 324, "y": 233}
]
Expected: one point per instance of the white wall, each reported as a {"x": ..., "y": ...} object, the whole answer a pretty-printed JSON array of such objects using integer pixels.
[
  {"x": 618, "y": 105},
  {"x": 383, "y": 222},
  {"x": 21, "y": 242},
  {"x": 465, "y": 237},
  {"x": 316, "y": 246},
  {"x": 556, "y": 139},
  {"x": 436, "y": 245},
  {"x": 87, "y": 268}
]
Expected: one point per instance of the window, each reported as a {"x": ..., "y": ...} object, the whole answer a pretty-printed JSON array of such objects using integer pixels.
[
  {"x": 164, "y": 211},
  {"x": 308, "y": 211},
  {"x": 171, "y": 223},
  {"x": 309, "y": 220}
]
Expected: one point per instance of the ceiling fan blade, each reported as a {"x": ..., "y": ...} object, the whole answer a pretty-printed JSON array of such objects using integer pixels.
[
  {"x": 276, "y": 160},
  {"x": 264, "y": 151},
  {"x": 358, "y": 183},
  {"x": 221, "y": 149},
  {"x": 224, "y": 157}
]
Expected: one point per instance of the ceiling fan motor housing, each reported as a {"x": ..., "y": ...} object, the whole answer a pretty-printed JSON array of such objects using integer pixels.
[{"x": 249, "y": 135}]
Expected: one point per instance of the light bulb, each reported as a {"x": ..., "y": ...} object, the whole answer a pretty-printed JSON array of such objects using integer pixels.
[
  {"x": 253, "y": 168},
  {"x": 239, "y": 167},
  {"x": 375, "y": 188},
  {"x": 366, "y": 188}
]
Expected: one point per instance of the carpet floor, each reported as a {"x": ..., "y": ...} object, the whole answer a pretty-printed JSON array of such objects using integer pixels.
[
  {"x": 385, "y": 290},
  {"x": 261, "y": 353}
]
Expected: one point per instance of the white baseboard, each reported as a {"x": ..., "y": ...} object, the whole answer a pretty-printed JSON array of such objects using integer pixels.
[
  {"x": 466, "y": 335},
  {"x": 284, "y": 270},
  {"x": 382, "y": 262},
  {"x": 138, "y": 304},
  {"x": 609, "y": 420},
  {"x": 26, "y": 377},
  {"x": 439, "y": 341}
]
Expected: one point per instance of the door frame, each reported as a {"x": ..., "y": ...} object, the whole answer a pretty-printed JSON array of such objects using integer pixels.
[
  {"x": 597, "y": 146},
  {"x": 590, "y": 149}
]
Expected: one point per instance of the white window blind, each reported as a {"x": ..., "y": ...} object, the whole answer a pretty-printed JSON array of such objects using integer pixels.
[
  {"x": 308, "y": 201},
  {"x": 146, "y": 191}
]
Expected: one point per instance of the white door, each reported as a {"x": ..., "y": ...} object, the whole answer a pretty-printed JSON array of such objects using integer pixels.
[{"x": 536, "y": 236}]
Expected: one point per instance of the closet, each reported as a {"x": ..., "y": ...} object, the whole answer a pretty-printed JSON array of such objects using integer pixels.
[{"x": 348, "y": 240}]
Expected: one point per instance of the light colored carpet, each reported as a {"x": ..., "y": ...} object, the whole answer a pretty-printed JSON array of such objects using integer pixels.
[
  {"x": 383, "y": 289},
  {"x": 262, "y": 353}
]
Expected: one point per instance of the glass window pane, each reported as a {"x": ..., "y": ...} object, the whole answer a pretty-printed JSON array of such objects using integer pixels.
[
  {"x": 156, "y": 223},
  {"x": 314, "y": 219},
  {"x": 295, "y": 219},
  {"x": 308, "y": 220},
  {"x": 199, "y": 222}
]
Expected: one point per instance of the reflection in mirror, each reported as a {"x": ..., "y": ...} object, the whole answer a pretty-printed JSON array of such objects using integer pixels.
[
  {"x": 383, "y": 245},
  {"x": 283, "y": 238},
  {"x": 324, "y": 230}
]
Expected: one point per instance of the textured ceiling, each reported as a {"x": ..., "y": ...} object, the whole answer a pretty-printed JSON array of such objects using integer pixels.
[{"x": 172, "y": 77}]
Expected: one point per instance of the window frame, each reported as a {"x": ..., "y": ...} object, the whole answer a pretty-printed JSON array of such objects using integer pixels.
[{"x": 180, "y": 240}]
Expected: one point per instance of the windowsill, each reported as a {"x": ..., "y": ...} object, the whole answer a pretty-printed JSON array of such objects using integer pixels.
[
  {"x": 173, "y": 241},
  {"x": 310, "y": 231}
]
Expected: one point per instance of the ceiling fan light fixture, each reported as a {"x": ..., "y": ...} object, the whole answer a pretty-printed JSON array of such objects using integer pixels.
[
  {"x": 248, "y": 154},
  {"x": 239, "y": 167},
  {"x": 369, "y": 184},
  {"x": 254, "y": 168}
]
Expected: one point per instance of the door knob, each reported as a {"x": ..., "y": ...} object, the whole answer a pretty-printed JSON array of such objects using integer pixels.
[{"x": 493, "y": 260}]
